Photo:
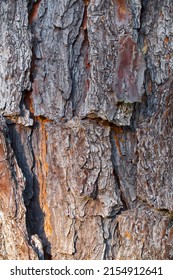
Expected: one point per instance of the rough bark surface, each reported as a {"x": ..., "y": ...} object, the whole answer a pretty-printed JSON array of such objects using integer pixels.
[
  {"x": 13, "y": 234},
  {"x": 86, "y": 120}
]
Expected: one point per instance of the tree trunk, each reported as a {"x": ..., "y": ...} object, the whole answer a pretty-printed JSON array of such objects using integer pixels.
[{"x": 86, "y": 129}]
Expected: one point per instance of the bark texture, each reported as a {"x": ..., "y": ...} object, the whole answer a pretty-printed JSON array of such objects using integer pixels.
[{"x": 86, "y": 129}]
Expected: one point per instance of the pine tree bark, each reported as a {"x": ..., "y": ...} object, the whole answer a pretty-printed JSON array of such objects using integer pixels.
[{"x": 86, "y": 129}]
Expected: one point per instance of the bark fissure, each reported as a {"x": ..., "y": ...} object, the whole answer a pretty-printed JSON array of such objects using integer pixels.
[
  {"x": 86, "y": 90},
  {"x": 33, "y": 10}
]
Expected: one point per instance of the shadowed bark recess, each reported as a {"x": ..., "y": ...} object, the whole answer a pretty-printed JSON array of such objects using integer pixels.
[{"x": 86, "y": 129}]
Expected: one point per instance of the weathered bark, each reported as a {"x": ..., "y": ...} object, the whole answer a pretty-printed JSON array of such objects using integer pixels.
[
  {"x": 13, "y": 233},
  {"x": 86, "y": 129}
]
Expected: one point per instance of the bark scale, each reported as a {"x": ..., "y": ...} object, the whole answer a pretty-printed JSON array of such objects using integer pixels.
[{"x": 86, "y": 129}]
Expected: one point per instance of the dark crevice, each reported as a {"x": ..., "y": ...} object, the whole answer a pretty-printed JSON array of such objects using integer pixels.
[
  {"x": 20, "y": 155},
  {"x": 33, "y": 7},
  {"x": 26, "y": 99},
  {"x": 34, "y": 213},
  {"x": 86, "y": 41},
  {"x": 75, "y": 242},
  {"x": 19, "y": 152},
  {"x": 122, "y": 197},
  {"x": 125, "y": 205},
  {"x": 84, "y": 55},
  {"x": 110, "y": 236},
  {"x": 140, "y": 43},
  {"x": 35, "y": 216},
  {"x": 140, "y": 29},
  {"x": 106, "y": 251},
  {"x": 143, "y": 202},
  {"x": 94, "y": 118},
  {"x": 46, "y": 255}
]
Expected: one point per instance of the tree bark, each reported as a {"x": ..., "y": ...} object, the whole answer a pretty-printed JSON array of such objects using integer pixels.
[{"x": 86, "y": 129}]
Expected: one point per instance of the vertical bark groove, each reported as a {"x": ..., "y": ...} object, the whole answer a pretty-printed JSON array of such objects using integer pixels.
[{"x": 86, "y": 129}]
